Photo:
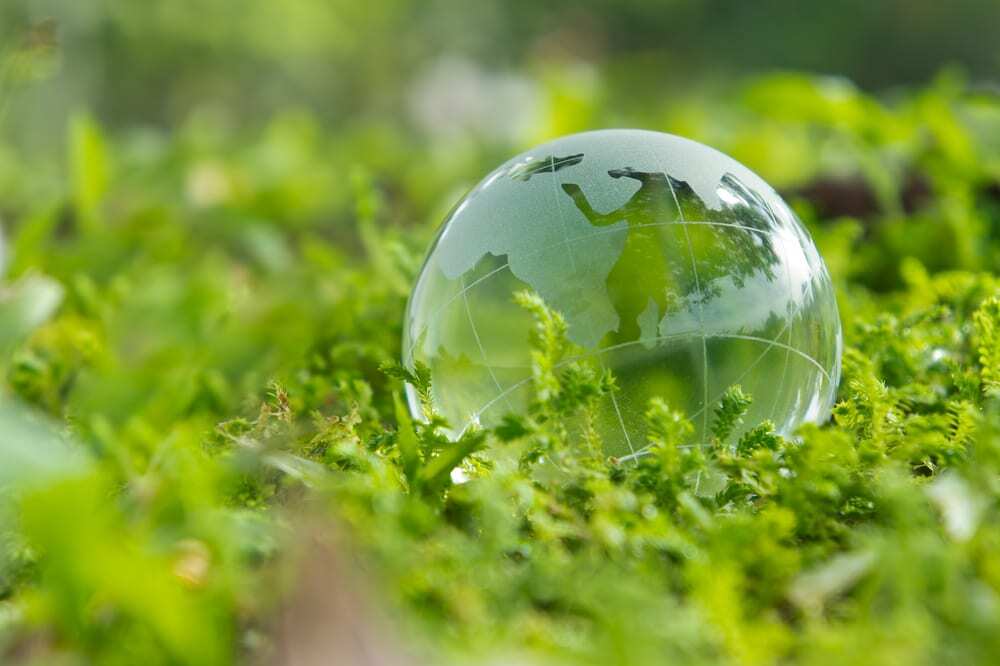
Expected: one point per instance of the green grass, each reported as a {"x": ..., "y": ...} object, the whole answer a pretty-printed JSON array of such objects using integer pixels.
[{"x": 209, "y": 320}]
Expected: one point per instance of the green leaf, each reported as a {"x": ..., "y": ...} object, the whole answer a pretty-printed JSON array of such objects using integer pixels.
[
  {"x": 89, "y": 168},
  {"x": 437, "y": 471},
  {"x": 987, "y": 322},
  {"x": 33, "y": 452},
  {"x": 729, "y": 412},
  {"x": 406, "y": 442},
  {"x": 26, "y": 305}
]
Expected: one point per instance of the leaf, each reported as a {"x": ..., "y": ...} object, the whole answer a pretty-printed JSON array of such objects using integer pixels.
[
  {"x": 89, "y": 168},
  {"x": 27, "y": 305},
  {"x": 987, "y": 323},
  {"x": 32, "y": 451},
  {"x": 729, "y": 412},
  {"x": 761, "y": 436},
  {"x": 668, "y": 428},
  {"x": 406, "y": 442},
  {"x": 960, "y": 506},
  {"x": 813, "y": 589},
  {"x": 437, "y": 471},
  {"x": 549, "y": 344},
  {"x": 511, "y": 427},
  {"x": 91, "y": 555},
  {"x": 419, "y": 379}
]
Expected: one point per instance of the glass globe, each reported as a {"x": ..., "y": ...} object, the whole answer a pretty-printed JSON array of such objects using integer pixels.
[{"x": 675, "y": 267}]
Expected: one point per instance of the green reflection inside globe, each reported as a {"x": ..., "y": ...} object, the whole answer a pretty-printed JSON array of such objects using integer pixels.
[{"x": 675, "y": 267}]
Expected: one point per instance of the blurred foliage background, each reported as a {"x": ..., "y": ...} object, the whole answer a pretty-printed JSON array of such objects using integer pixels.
[{"x": 213, "y": 212}]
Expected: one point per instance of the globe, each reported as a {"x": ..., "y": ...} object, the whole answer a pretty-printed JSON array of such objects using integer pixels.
[{"x": 674, "y": 266}]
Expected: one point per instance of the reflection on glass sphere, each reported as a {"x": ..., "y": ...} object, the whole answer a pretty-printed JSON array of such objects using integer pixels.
[{"x": 675, "y": 267}]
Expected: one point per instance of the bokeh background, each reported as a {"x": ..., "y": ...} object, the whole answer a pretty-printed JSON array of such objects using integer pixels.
[
  {"x": 428, "y": 96},
  {"x": 155, "y": 65}
]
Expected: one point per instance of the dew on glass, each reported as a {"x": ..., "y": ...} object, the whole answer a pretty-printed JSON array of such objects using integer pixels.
[{"x": 675, "y": 267}]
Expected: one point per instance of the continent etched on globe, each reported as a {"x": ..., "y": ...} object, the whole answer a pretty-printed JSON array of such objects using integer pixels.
[{"x": 674, "y": 266}]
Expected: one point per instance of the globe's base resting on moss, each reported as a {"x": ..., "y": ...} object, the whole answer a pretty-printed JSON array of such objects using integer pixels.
[{"x": 674, "y": 266}]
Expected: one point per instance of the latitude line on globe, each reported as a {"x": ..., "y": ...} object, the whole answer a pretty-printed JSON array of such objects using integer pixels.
[
  {"x": 621, "y": 421},
  {"x": 746, "y": 371},
  {"x": 600, "y": 232},
  {"x": 782, "y": 345},
  {"x": 465, "y": 289},
  {"x": 521, "y": 382},
  {"x": 770, "y": 343},
  {"x": 788, "y": 348},
  {"x": 562, "y": 222}
]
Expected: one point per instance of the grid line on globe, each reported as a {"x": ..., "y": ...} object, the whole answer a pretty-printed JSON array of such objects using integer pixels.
[
  {"x": 701, "y": 309},
  {"x": 466, "y": 288},
  {"x": 413, "y": 341},
  {"x": 674, "y": 266}
]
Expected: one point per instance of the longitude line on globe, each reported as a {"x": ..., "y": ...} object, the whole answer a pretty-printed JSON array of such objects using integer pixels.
[
  {"x": 562, "y": 225},
  {"x": 559, "y": 213},
  {"x": 701, "y": 314},
  {"x": 749, "y": 368},
  {"x": 479, "y": 343},
  {"x": 621, "y": 421},
  {"x": 461, "y": 293},
  {"x": 791, "y": 316}
]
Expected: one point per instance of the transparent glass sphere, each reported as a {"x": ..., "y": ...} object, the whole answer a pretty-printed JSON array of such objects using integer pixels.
[{"x": 675, "y": 267}]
